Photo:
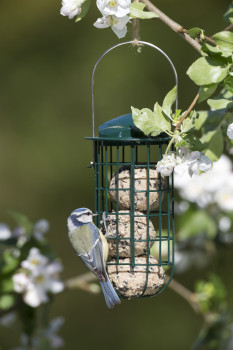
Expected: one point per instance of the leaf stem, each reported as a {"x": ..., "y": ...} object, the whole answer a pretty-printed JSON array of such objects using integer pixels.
[
  {"x": 173, "y": 25},
  {"x": 169, "y": 146},
  {"x": 187, "y": 112}
]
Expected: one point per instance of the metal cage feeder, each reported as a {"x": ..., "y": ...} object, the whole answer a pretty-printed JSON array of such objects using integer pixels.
[{"x": 137, "y": 202}]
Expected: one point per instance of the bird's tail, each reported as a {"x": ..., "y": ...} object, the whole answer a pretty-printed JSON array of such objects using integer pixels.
[{"x": 110, "y": 295}]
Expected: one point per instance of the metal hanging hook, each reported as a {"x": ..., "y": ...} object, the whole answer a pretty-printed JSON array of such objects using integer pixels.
[{"x": 112, "y": 48}]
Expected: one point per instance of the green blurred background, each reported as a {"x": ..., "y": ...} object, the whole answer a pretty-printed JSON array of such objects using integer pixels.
[{"x": 46, "y": 62}]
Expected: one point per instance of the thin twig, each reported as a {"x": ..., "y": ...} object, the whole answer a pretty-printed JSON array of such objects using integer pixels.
[
  {"x": 83, "y": 282},
  {"x": 187, "y": 112},
  {"x": 210, "y": 40},
  {"x": 190, "y": 297},
  {"x": 173, "y": 25},
  {"x": 228, "y": 27},
  {"x": 136, "y": 29},
  {"x": 207, "y": 38}
]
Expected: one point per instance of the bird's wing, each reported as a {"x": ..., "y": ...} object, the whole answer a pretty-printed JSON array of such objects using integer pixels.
[{"x": 90, "y": 249}]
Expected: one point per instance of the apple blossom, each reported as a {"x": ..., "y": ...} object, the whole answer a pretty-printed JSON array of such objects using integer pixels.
[
  {"x": 71, "y": 8},
  {"x": 118, "y": 8},
  {"x": 224, "y": 223},
  {"x": 38, "y": 278},
  {"x": 118, "y": 25},
  {"x": 5, "y": 232},
  {"x": 230, "y": 131},
  {"x": 166, "y": 165},
  {"x": 214, "y": 186}
]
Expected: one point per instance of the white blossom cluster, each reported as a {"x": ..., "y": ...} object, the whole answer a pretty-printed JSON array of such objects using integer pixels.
[
  {"x": 230, "y": 131},
  {"x": 71, "y": 8},
  {"x": 115, "y": 13},
  {"x": 39, "y": 229},
  {"x": 184, "y": 162},
  {"x": 215, "y": 186},
  {"x": 49, "y": 334},
  {"x": 37, "y": 278}
]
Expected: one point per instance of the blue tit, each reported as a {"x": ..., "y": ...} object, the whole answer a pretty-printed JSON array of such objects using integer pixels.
[{"x": 92, "y": 247}]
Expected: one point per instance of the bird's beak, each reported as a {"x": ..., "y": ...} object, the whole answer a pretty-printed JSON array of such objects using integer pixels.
[{"x": 96, "y": 214}]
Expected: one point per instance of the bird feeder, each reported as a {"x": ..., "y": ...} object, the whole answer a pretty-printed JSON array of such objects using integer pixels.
[{"x": 137, "y": 202}]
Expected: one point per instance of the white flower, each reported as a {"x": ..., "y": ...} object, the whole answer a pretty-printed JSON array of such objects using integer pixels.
[
  {"x": 54, "y": 326},
  {"x": 224, "y": 197},
  {"x": 20, "y": 281},
  {"x": 5, "y": 232},
  {"x": 40, "y": 228},
  {"x": 201, "y": 162},
  {"x": 230, "y": 131},
  {"x": 191, "y": 162},
  {"x": 214, "y": 186},
  {"x": 182, "y": 168},
  {"x": 166, "y": 165},
  {"x": 34, "y": 260},
  {"x": 71, "y": 8},
  {"x": 118, "y": 8},
  {"x": 118, "y": 25},
  {"x": 224, "y": 223},
  {"x": 39, "y": 278}
]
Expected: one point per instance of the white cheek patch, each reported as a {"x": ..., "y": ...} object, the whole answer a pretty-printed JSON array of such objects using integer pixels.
[{"x": 85, "y": 218}]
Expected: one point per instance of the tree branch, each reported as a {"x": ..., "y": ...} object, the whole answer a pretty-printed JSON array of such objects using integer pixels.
[
  {"x": 173, "y": 25},
  {"x": 187, "y": 112},
  {"x": 228, "y": 27},
  {"x": 84, "y": 282},
  {"x": 190, "y": 297}
]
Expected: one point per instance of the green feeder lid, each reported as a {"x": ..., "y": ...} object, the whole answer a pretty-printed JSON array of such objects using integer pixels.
[{"x": 120, "y": 127}]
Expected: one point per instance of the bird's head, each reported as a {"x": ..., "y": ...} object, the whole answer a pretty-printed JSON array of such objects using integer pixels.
[{"x": 78, "y": 217}]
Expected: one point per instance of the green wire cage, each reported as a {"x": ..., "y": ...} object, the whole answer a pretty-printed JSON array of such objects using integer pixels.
[{"x": 136, "y": 202}]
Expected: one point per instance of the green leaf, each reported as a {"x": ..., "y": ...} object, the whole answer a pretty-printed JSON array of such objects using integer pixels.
[
  {"x": 196, "y": 223},
  {"x": 189, "y": 123},
  {"x": 146, "y": 121},
  {"x": 224, "y": 40},
  {"x": 211, "y": 50},
  {"x": 191, "y": 142},
  {"x": 200, "y": 121},
  {"x": 163, "y": 120},
  {"x": 212, "y": 134},
  {"x": 22, "y": 221},
  {"x": 228, "y": 15},
  {"x": 151, "y": 123},
  {"x": 224, "y": 93},
  {"x": 168, "y": 101},
  {"x": 208, "y": 70},
  {"x": 206, "y": 91},
  {"x": 215, "y": 144},
  {"x": 84, "y": 9},
  {"x": 8, "y": 263},
  {"x": 6, "y": 285},
  {"x": 195, "y": 32},
  {"x": 7, "y": 301},
  {"x": 220, "y": 103},
  {"x": 136, "y": 11},
  {"x": 215, "y": 51},
  {"x": 228, "y": 82}
]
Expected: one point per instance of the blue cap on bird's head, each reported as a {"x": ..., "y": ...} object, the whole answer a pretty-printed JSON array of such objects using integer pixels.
[{"x": 81, "y": 211}]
